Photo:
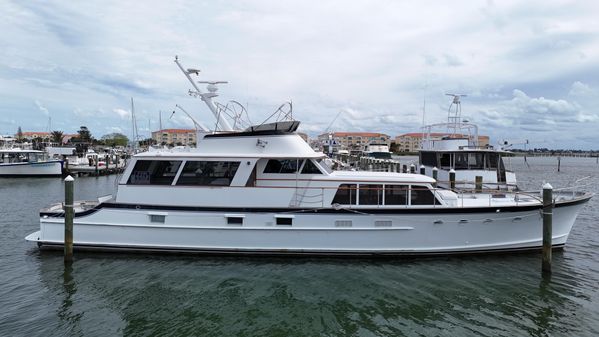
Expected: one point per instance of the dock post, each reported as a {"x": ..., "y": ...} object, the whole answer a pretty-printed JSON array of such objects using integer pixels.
[
  {"x": 559, "y": 163},
  {"x": 404, "y": 168},
  {"x": 435, "y": 175},
  {"x": 370, "y": 167},
  {"x": 422, "y": 170},
  {"x": 547, "y": 227},
  {"x": 97, "y": 160},
  {"x": 412, "y": 168},
  {"x": 479, "y": 184},
  {"x": 452, "y": 179},
  {"x": 68, "y": 219}
]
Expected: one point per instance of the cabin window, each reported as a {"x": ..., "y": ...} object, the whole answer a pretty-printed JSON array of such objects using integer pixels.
[
  {"x": 324, "y": 166},
  {"x": 421, "y": 195},
  {"x": 461, "y": 161},
  {"x": 346, "y": 195},
  {"x": 446, "y": 160},
  {"x": 493, "y": 159},
  {"x": 310, "y": 168},
  {"x": 396, "y": 195},
  {"x": 208, "y": 173},
  {"x": 475, "y": 161},
  {"x": 282, "y": 166},
  {"x": 153, "y": 172},
  {"x": 371, "y": 194},
  {"x": 428, "y": 159}
]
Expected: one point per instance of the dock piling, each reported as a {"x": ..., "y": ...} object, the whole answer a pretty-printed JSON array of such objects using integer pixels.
[
  {"x": 435, "y": 175},
  {"x": 478, "y": 184},
  {"x": 412, "y": 168},
  {"x": 547, "y": 227},
  {"x": 68, "y": 218},
  {"x": 422, "y": 170},
  {"x": 452, "y": 179}
]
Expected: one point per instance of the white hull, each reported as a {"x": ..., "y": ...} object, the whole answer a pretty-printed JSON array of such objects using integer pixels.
[
  {"x": 48, "y": 168},
  {"x": 312, "y": 233}
]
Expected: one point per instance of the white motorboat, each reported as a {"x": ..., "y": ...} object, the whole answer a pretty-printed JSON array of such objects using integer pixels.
[
  {"x": 264, "y": 190},
  {"x": 459, "y": 149},
  {"x": 17, "y": 162},
  {"x": 375, "y": 150}
]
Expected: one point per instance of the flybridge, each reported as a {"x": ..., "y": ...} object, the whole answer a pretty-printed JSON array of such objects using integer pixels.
[{"x": 232, "y": 118}]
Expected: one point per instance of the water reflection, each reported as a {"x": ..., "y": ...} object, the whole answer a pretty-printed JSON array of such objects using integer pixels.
[{"x": 491, "y": 295}]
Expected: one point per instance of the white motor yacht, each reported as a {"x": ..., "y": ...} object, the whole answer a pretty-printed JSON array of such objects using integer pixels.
[
  {"x": 458, "y": 149},
  {"x": 18, "y": 162},
  {"x": 264, "y": 190}
]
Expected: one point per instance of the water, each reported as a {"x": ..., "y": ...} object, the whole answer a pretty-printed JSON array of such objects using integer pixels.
[{"x": 152, "y": 295}]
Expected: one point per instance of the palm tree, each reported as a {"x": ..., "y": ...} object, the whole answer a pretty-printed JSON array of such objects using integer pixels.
[{"x": 56, "y": 137}]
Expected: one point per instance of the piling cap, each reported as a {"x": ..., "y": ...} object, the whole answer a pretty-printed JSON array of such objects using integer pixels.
[
  {"x": 69, "y": 178},
  {"x": 435, "y": 168},
  {"x": 452, "y": 171},
  {"x": 547, "y": 186}
]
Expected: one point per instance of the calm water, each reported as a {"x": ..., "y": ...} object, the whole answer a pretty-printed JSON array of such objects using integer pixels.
[{"x": 138, "y": 295}]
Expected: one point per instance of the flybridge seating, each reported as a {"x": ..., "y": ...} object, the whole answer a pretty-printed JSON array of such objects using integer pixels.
[{"x": 277, "y": 128}]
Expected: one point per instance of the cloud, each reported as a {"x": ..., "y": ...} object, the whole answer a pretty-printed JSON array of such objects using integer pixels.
[
  {"x": 582, "y": 90},
  {"x": 122, "y": 113},
  {"x": 42, "y": 108}
]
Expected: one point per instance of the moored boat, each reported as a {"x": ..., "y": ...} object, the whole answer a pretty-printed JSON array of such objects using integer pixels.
[
  {"x": 264, "y": 190},
  {"x": 17, "y": 162}
]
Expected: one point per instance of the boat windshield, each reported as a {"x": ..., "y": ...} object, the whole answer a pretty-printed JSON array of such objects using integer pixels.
[{"x": 324, "y": 166}]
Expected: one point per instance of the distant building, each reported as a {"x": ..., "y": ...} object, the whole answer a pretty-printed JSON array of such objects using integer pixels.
[
  {"x": 45, "y": 136},
  {"x": 175, "y": 136},
  {"x": 411, "y": 142},
  {"x": 356, "y": 140},
  {"x": 304, "y": 136}
]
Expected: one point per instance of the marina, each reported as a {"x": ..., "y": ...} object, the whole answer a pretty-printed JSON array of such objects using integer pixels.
[{"x": 501, "y": 295}]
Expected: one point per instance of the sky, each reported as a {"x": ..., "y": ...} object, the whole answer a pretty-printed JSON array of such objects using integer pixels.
[{"x": 530, "y": 69}]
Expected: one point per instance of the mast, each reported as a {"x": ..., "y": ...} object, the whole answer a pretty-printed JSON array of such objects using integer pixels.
[{"x": 206, "y": 97}]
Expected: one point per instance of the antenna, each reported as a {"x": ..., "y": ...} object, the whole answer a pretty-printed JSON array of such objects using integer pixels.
[
  {"x": 454, "y": 117},
  {"x": 206, "y": 97}
]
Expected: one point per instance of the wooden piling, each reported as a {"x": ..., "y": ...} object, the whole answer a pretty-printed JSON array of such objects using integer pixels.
[
  {"x": 435, "y": 175},
  {"x": 479, "y": 184},
  {"x": 559, "y": 163},
  {"x": 547, "y": 227},
  {"x": 96, "y": 162},
  {"x": 412, "y": 168},
  {"x": 405, "y": 168},
  {"x": 422, "y": 170},
  {"x": 452, "y": 179},
  {"x": 68, "y": 218}
]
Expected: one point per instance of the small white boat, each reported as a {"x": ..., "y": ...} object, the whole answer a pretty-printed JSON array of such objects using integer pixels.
[
  {"x": 264, "y": 190},
  {"x": 17, "y": 162},
  {"x": 375, "y": 150}
]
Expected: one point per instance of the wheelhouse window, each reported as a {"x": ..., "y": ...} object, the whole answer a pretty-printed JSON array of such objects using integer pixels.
[
  {"x": 445, "y": 160},
  {"x": 371, "y": 194},
  {"x": 346, "y": 194},
  {"x": 208, "y": 173},
  {"x": 154, "y": 172},
  {"x": 461, "y": 161},
  {"x": 310, "y": 168},
  {"x": 421, "y": 195},
  {"x": 396, "y": 195},
  {"x": 428, "y": 159},
  {"x": 476, "y": 161},
  {"x": 283, "y": 165}
]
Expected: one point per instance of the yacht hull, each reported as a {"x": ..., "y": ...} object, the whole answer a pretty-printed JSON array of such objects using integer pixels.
[
  {"x": 48, "y": 168},
  {"x": 313, "y": 232}
]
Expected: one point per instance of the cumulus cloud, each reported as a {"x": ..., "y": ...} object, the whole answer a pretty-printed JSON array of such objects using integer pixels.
[
  {"x": 122, "y": 113},
  {"x": 42, "y": 108}
]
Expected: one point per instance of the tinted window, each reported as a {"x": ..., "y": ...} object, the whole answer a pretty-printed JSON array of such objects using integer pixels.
[
  {"x": 422, "y": 196},
  {"x": 428, "y": 158},
  {"x": 396, "y": 195},
  {"x": 346, "y": 195},
  {"x": 208, "y": 173},
  {"x": 461, "y": 160},
  {"x": 475, "y": 161},
  {"x": 445, "y": 160},
  {"x": 493, "y": 158},
  {"x": 153, "y": 172},
  {"x": 310, "y": 168},
  {"x": 282, "y": 166},
  {"x": 371, "y": 194}
]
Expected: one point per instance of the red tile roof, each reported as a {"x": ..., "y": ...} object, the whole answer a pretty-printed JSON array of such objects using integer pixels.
[
  {"x": 176, "y": 131},
  {"x": 359, "y": 134}
]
